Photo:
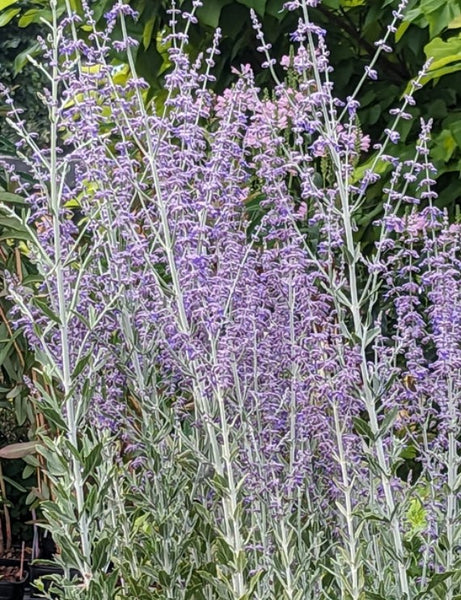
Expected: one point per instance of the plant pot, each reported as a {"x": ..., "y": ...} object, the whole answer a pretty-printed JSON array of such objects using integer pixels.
[
  {"x": 10, "y": 587},
  {"x": 42, "y": 569},
  {"x": 39, "y": 569}
]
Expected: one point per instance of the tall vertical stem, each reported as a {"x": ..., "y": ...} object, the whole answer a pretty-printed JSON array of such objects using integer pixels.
[{"x": 62, "y": 301}]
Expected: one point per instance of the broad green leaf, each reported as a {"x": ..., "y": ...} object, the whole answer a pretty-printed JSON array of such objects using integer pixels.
[
  {"x": 440, "y": 18},
  {"x": 34, "y": 16},
  {"x": 259, "y": 6},
  {"x": 99, "y": 7},
  {"x": 443, "y": 52},
  {"x": 5, "y": 3},
  {"x": 408, "y": 453},
  {"x": 416, "y": 515},
  {"x": 455, "y": 128},
  {"x": 119, "y": 78},
  {"x": 414, "y": 15},
  {"x": 21, "y": 59},
  {"x": 352, "y": 3},
  {"x": 76, "y": 6},
  {"x": 210, "y": 13},
  {"x": 91, "y": 69},
  {"x": 455, "y": 24},
  {"x": 148, "y": 62},
  {"x": 9, "y": 14},
  {"x": 440, "y": 73},
  {"x": 380, "y": 168},
  {"x": 401, "y": 29},
  {"x": 147, "y": 33},
  {"x": 444, "y": 146},
  {"x": 274, "y": 9},
  {"x": 428, "y": 6}
]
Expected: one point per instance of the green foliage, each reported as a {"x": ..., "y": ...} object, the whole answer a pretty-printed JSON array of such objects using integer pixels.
[
  {"x": 17, "y": 416},
  {"x": 430, "y": 29},
  {"x": 22, "y": 78},
  {"x": 166, "y": 533}
]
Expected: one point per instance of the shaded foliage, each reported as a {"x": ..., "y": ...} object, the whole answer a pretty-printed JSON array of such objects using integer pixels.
[{"x": 432, "y": 28}]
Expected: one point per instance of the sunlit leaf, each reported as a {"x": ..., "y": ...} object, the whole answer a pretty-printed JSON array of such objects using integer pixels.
[
  {"x": 443, "y": 52},
  {"x": 5, "y": 3},
  {"x": 455, "y": 24},
  {"x": 6, "y": 17}
]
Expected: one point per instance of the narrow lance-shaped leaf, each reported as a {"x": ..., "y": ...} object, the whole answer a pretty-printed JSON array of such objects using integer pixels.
[{"x": 18, "y": 450}]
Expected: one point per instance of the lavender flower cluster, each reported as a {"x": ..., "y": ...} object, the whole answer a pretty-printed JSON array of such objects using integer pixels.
[{"x": 209, "y": 266}]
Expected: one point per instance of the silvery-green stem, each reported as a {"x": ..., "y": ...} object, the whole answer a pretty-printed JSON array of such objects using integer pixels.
[
  {"x": 55, "y": 206},
  {"x": 353, "y": 551},
  {"x": 221, "y": 454},
  {"x": 452, "y": 476}
]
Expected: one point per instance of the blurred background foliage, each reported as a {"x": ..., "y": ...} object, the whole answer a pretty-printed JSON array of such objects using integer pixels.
[{"x": 432, "y": 28}]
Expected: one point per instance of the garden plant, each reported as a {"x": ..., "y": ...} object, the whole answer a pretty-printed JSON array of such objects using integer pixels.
[{"x": 241, "y": 401}]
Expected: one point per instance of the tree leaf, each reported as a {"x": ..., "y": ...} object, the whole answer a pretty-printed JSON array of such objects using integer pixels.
[
  {"x": 210, "y": 13},
  {"x": 444, "y": 145},
  {"x": 259, "y": 6},
  {"x": 443, "y": 52},
  {"x": 274, "y": 9},
  {"x": 455, "y": 24},
  {"x": 6, "y": 17},
  {"x": 5, "y": 3},
  {"x": 34, "y": 15},
  {"x": 21, "y": 59},
  {"x": 352, "y": 3},
  {"x": 147, "y": 32},
  {"x": 440, "y": 18}
]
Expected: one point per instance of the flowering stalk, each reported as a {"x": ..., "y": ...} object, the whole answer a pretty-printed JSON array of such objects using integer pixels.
[
  {"x": 355, "y": 585},
  {"x": 232, "y": 366},
  {"x": 61, "y": 299}
]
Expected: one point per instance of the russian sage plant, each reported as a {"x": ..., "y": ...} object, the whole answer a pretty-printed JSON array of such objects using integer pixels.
[{"x": 243, "y": 402}]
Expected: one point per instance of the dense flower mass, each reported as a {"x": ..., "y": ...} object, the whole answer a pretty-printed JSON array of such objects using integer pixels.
[{"x": 199, "y": 268}]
